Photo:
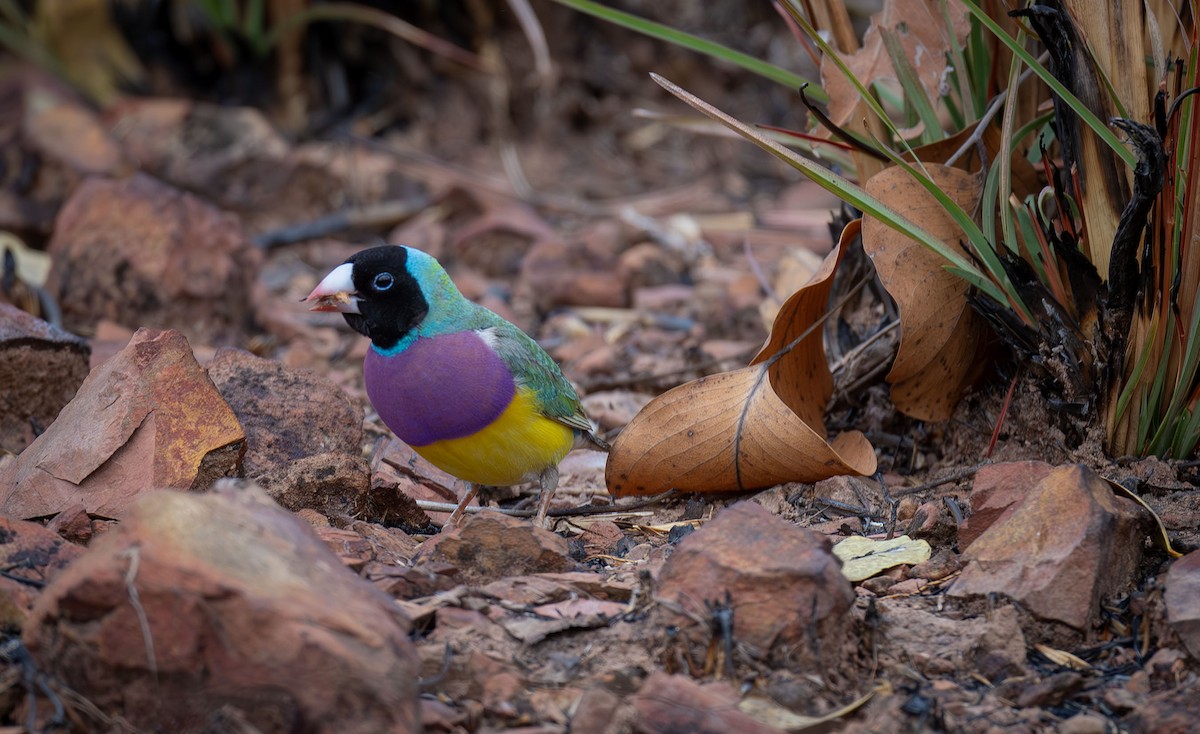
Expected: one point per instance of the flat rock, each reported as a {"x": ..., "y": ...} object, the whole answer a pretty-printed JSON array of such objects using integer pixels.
[
  {"x": 41, "y": 367},
  {"x": 783, "y": 583},
  {"x": 490, "y": 546},
  {"x": 992, "y": 645},
  {"x": 997, "y": 489},
  {"x": 303, "y": 433},
  {"x": 1183, "y": 601},
  {"x": 142, "y": 253},
  {"x": 149, "y": 418},
  {"x": 1069, "y": 544},
  {"x": 238, "y": 607}
]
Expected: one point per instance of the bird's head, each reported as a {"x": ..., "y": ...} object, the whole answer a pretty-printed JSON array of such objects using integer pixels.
[{"x": 379, "y": 291}]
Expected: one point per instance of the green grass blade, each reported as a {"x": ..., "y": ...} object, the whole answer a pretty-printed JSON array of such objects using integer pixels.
[
  {"x": 1089, "y": 118},
  {"x": 697, "y": 44},
  {"x": 1133, "y": 383},
  {"x": 962, "y": 79},
  {"x": 914, "y": 91},
  {"x": 977, "y": 49}
]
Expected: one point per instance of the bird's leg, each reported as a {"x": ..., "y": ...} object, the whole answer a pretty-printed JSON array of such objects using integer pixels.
[
  {"x": 457, "y": 516},
  {"x": 549, "y": 481}
]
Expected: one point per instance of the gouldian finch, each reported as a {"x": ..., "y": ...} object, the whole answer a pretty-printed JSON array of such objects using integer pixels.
[{"x": 466, "y": 389}]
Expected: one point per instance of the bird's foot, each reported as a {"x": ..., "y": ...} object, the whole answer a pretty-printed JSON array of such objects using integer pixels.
[
  {"x": 460, "y": 512},
  {"x": 549, "y": 482}
]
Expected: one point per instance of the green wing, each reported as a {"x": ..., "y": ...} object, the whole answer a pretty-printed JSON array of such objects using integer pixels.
[{"x": 534, "y": 369}]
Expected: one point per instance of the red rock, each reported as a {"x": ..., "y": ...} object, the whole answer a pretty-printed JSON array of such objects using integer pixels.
[
  {"x": 1183, "y": 601},
  {"x": 303, "y": 433},
  {"x": 438, "y": 716},
  {"x": 1174, "y": 711},
  {"x": 1050, "y": 691},
  {"x": 412, "y": 582},
  {"x": 670, "y": 704},
  {"x": 238, "y": 606},
  {"x": 1069, "y": 544},
  {"x": 997, "y": 488},
  {"x": 233, "y": 157},
  {"x": 491, "y": 546},
  {"x": 31, "y": 552},
  {"x": 647, "y": 265},
  {"x": 288, "y": 414},
  {"x": 41, "y": 367},
  {"x": 662, "y": 297},
  {"x": 72, "y": 524},
  {"x": 147, "y": 419},
  {"x": 1085, "y": 723},
  {"x": 556, "y": 274},
  {"x": 943, "y": 563},
  {"x": 108, "y": 339},
  {"x": 500, "y": 685},
  {"x": 601, "y": 537},
  {"x": 52, "y": 138},
  {"x": 62, "y": 128},
  {"x": 784, "y": 583},
  {"x": 594, "y": 712},
  {"x": 848, "y": 491},
  {"x": 127, "y": 250}
]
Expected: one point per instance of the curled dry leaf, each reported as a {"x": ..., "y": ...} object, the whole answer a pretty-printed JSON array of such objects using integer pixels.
[
  {"x": 751, "y": 428},
  {"x": 941, "y": 337}
]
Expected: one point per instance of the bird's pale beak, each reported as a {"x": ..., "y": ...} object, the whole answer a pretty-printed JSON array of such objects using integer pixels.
[{"x": 336, "y": 292}]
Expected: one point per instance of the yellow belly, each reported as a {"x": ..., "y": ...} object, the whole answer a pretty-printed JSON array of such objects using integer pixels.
[{"x": 515, "y": 448}]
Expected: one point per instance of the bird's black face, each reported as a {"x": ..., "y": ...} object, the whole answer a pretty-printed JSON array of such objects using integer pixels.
[{"x": 376, "y": 294}]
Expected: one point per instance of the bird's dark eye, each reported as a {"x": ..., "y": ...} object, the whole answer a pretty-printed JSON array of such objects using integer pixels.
[{"x": 383, "y": 281}]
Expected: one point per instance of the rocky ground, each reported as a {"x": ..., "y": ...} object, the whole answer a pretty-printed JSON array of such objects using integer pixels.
[{"x": 205, "y": 527}]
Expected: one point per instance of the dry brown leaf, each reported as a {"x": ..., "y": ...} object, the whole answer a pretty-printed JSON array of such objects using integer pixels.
[
  {"x": 941, "y": 337},
  {"x": 751, "y": 428},
  {"x": 921, "y": 29}
]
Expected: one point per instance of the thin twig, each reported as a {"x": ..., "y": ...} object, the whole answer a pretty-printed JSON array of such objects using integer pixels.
[
  {"x": 992, "y": 110},
  {"x": 135, "y": 601},
  {"x": 949, "y": 479},
  {"x": 433, "y": 506}
]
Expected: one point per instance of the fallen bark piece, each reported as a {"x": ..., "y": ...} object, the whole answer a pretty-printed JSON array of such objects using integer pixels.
[
  {"x": 1183, "y": 601},
  {"x": 149, "y": 418},
  {"x": 142, "y": 253},
  {"x": 1069, "y": 544},
  {"x": 781, "y": 585},
  {"x": 490, "y": 546},
  {"x": 41, "y": 367},
  {"x": 224, "y": 601}
]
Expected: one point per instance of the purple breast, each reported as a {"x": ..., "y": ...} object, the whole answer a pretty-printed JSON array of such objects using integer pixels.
[{"x": 441, "y": 387}]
